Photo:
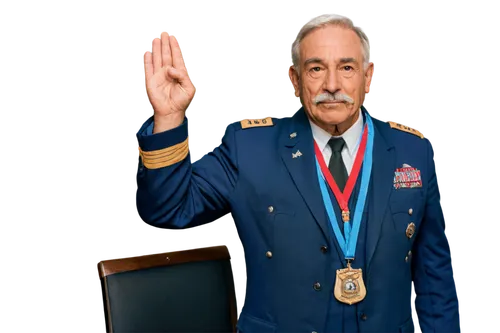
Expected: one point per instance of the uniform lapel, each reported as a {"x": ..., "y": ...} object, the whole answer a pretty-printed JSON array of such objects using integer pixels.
[
  {"x": 382, "y": 178},
  {"x": 298, "y": 156}
]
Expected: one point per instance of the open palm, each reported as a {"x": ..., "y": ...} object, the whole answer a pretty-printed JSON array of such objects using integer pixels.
[{"x": 168, "y": 86}]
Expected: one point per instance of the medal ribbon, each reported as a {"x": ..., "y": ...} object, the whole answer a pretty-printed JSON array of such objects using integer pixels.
[{"x": 365, "y": 157}]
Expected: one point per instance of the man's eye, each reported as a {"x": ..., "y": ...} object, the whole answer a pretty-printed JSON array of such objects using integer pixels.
[
  {"x": 315, "y": 69},
  {"x": 347, "y": 68}
]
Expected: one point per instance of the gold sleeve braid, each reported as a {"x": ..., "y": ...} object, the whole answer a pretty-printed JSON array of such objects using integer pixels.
[{"x": 161, "y": 158}]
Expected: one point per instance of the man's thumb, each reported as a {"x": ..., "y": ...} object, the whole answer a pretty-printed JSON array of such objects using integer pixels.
[
  {"x": 173, "y": 73},
  {"x": 184, "y": 80}
]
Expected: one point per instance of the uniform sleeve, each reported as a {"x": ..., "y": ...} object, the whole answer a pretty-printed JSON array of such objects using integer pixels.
[
  {"x": 436, "y": 299},
  {"x": 173, "y": 193}
]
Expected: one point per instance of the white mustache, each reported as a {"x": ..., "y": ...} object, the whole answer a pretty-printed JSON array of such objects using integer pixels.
[{"x": 332, "y": 97}]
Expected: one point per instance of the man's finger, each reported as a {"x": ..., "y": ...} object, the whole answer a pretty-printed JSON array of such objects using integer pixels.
[
  {"x": 156, "y": 55},
  {"x": 148, "y": 65},
  {"x": 166, "y": 55},
  {"x": 177, "y": 59}
]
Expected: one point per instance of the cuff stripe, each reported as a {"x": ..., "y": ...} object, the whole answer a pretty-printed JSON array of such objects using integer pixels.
[{"x": 160, "y": 158}]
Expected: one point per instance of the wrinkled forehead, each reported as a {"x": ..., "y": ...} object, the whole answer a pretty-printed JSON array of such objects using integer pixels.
[{"x": 331, "y": 43}]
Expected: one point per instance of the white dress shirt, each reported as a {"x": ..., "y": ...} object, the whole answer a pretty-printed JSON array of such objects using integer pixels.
[{"x": 351, "y": 137}]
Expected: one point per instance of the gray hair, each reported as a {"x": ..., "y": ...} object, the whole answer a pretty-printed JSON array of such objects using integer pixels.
[{"x": 329, "y": 19}]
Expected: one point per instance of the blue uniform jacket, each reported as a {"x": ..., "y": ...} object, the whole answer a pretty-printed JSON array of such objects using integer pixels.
[{"x": 276, "y": 203}]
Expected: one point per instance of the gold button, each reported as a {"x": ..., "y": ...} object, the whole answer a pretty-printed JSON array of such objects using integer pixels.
[
  {"x": 409, "y": 253},
  {"x": 406, "y": 258},
  {"x": 269, "y": 254},
  {"x": 410, "y": 211},
  {"x": 270, "y": 209}
]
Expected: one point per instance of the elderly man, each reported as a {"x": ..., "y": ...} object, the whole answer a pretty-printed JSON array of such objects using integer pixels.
[{"x": 338, "y": 213}]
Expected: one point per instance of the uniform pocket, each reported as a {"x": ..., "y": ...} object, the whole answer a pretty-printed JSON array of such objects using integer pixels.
[
  {"x": 407, "y": 327},
  {"x": 403, "y": 199},
  {"x": 250, "y": 324},
  {"x": 407, "y": 206}
]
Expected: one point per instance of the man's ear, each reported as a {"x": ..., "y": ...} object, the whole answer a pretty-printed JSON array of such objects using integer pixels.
[
  {"x": 294, "y": 77},
  {"x": 368, "y": 77}
]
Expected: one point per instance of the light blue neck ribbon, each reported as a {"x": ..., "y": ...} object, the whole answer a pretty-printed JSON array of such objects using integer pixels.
[{"x": 348, "y": 244}]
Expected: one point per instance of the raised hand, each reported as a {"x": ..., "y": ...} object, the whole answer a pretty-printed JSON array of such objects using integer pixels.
[{"x": 169, "y": 87}]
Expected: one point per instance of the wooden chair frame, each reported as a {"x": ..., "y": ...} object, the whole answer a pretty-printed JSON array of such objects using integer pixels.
[{"x": 110, "y": 267}]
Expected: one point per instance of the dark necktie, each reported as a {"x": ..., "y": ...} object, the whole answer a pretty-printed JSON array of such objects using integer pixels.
[{"x": 336, "y": 165}]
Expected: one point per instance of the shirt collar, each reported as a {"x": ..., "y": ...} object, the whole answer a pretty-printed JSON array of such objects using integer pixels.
[{"x": 351, "y": 136}]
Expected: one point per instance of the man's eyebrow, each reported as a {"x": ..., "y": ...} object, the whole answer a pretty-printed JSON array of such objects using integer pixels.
[
  {"x": 316, "y": 60},
  {"x": 347, "y": 60}
]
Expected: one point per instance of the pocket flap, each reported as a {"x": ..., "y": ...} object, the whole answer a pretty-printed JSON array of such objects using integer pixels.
[
  {"x": 251, "y": 324},
  {"x": 408, "y": 326}
]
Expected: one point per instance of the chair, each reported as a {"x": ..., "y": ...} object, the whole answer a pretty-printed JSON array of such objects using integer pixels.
[{"x": 184, "y": 291}]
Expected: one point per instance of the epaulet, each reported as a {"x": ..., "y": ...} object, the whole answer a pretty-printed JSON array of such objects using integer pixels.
[
  {"x": 249, "y": 123},
  {"x": 406, "y": 129}
]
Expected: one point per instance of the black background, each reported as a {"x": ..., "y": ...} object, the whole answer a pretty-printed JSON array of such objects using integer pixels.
[{"x": 237, "y": 53}]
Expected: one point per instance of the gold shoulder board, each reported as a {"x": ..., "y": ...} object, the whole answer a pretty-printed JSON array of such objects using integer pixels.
[
  {"x": 406, "y": 129},
  {"x": 249, "y": 123}
]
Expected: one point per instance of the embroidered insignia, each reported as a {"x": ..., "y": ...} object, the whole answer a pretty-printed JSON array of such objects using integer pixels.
[
  {"x": 256, "y": 122},
  {"x": 405, "y": 127},
  {"x": 297, "y": 154}
]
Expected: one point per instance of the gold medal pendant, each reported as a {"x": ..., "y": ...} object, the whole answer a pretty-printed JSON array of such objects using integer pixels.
[
  {"x": 345, "y": 215},
  {"x": 349, "y": 285}
]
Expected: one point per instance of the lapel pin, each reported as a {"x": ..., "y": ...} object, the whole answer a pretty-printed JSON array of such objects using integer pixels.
[
  {"x": 297, "y": 154},
  {"x": 293, "y": 135}
]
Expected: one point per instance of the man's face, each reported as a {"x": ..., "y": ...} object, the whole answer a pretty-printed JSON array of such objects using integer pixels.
[{"x": 331, "y": 62}]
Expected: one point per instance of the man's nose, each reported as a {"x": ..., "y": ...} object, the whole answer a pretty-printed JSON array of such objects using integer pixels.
[{"x": 332, "y": 81}]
